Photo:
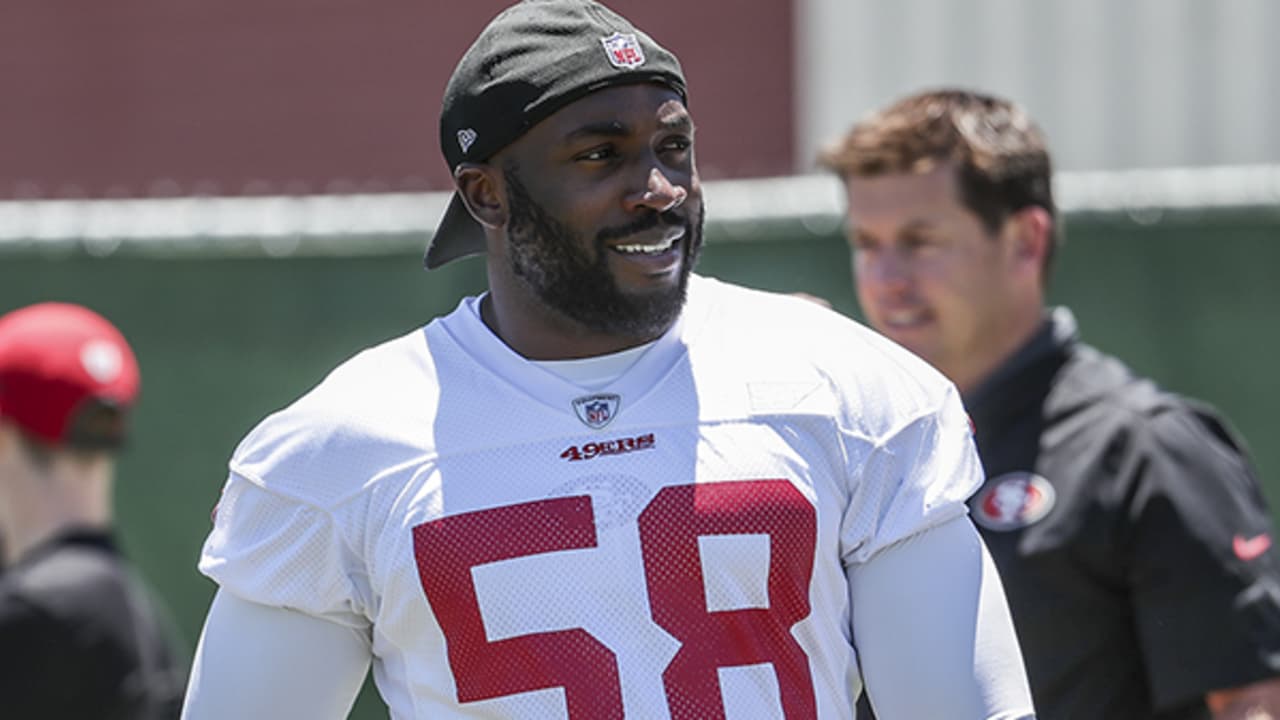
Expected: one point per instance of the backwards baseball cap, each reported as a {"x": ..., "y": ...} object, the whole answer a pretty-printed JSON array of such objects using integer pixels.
[
  {"x": 67, "y": 376},
  {"x": 533, "y": 59}
]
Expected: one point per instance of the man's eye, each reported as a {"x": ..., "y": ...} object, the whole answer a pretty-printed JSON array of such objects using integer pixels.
[
  {"x": 597, "y": 154},
  {"x": 677, "y": 144}
]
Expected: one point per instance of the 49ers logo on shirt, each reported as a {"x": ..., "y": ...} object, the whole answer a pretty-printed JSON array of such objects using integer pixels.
[{"x": 1012, "y": 501}]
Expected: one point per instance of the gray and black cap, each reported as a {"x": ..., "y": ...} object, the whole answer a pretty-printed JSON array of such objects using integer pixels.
[{"x": 533, "y": 59}]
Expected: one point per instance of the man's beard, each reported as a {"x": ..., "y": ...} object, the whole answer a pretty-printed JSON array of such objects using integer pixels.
[{"x": 548, "y": 256}]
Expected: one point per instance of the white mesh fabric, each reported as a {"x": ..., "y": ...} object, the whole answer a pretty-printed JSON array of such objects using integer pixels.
[
  {"x": 276, "y": 551},
  {"x": 914, "y": 479}
]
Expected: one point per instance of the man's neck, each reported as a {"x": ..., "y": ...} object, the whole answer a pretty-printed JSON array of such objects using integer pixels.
[
  {"x": 566, "y": 340},
  {"x": 60, "y": 499},
  {"x": 1021, "y": 327}
]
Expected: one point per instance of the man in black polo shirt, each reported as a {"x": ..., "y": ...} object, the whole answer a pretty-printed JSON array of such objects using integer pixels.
[
  {"x": 79, "y": 635},
  {"x": 1127, "y": 522}
]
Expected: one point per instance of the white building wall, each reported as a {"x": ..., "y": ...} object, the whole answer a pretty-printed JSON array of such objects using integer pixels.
[{"x": 1114, "y": 83}]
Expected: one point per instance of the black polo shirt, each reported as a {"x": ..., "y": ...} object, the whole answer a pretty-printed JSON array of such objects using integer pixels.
[
  {"x": 81, "y": 638},
  {"x": 1130, "y": 532},
  {"x": 1133, "y": 541}
]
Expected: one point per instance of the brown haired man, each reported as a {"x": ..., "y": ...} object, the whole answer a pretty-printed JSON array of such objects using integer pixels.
[{"x": 1126, "y": 522}]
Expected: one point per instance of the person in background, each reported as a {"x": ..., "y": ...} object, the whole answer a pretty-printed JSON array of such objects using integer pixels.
[
  {"x": 80, "y": 634},
  {"x": 1127, "y": 522}
]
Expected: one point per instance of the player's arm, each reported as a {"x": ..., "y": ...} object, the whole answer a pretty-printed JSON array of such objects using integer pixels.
[
  {"x": 256, "y": 661},
  {"x": 930, "y": 621},
  {"x": 933, "y": 630}
]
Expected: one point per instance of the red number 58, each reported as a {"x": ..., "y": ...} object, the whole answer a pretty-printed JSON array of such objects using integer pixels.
[{"x": 670, "y": 525}]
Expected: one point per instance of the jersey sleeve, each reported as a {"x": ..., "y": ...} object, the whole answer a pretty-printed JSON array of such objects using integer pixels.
[
  {"x": 280, "y": 551},
  {"x": 917, "y": 477},
  {"x": 1204, "y": 572}
]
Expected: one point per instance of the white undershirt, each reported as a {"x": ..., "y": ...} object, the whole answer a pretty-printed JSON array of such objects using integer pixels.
[
  {"x": 596, "y": 372},
  {"x": 591, "y": 373}
]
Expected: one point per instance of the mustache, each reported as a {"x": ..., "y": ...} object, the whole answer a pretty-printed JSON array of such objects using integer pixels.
[{"x": 648, "y": 221}]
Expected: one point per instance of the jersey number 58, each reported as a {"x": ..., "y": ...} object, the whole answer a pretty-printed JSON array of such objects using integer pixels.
[{"x": 447, "y": 549}]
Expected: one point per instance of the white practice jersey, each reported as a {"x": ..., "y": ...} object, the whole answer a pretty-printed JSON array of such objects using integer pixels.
[{"x": 676, "y": 544}]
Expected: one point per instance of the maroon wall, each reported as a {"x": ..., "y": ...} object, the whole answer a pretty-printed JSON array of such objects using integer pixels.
[{"x": 137, "y": 98}]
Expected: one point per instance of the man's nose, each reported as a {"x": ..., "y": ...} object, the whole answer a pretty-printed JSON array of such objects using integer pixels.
[
  {"x": 887, "y": 269},
  {"x": 659, "y": 193}
]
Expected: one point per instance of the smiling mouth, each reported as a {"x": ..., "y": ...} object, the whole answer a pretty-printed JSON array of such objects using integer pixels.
[
  {"x": 670, "y": 236},
  {"x": 903, "y": 319}
]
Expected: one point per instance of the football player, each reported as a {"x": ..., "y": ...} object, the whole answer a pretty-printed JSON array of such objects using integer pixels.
[{"x": 606, "y": 487}]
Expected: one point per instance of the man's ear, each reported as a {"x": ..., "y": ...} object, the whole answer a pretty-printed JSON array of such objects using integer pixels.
[
  {"x": 481, "y": 189},
  {"x": 1033, "y": 234}
]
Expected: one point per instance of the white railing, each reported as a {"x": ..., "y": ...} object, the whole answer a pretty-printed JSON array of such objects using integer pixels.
[{"x": 370, "y": 223}]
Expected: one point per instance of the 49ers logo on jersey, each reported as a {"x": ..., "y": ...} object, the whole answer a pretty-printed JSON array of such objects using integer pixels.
[
  {"x": 608, "y": 447},
  {"x": 1012, "y": 501}
]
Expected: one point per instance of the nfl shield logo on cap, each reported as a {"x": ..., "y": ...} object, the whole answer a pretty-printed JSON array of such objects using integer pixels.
[{"x": 623, "y": 50}]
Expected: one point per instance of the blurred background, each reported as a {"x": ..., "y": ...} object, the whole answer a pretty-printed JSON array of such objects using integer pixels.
[{"x": 246, "y": 188}]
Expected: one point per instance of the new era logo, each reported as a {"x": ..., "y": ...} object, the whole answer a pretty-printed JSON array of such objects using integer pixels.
[
  {"x": 623, "y": 50},
  {"x": 466, "y": 138}
]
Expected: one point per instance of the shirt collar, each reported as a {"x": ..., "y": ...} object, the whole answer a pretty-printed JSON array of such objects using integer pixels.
[{"x": 1058, "y": 332}]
